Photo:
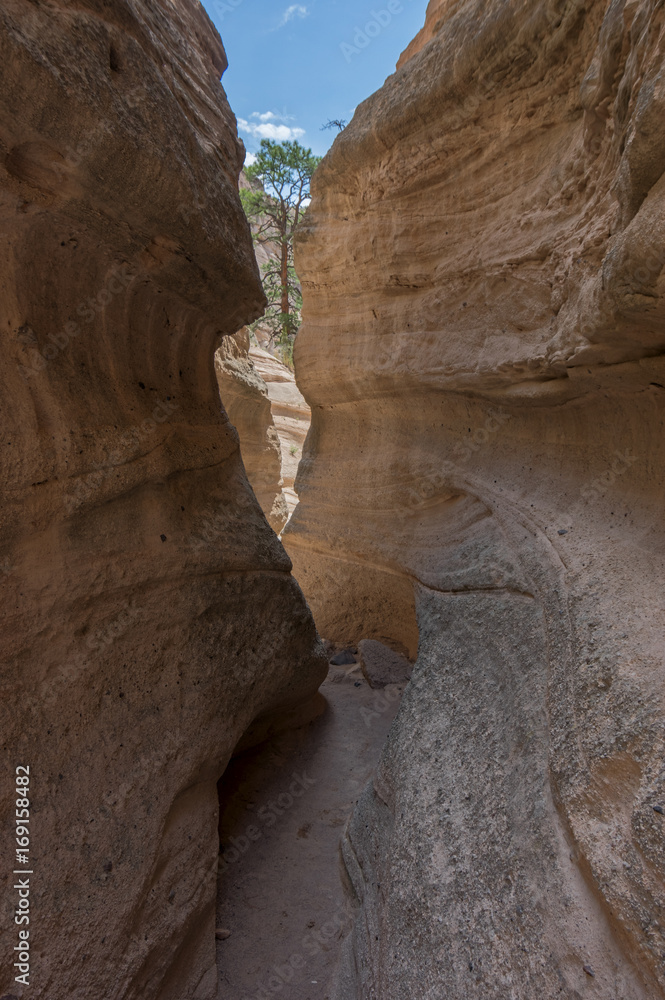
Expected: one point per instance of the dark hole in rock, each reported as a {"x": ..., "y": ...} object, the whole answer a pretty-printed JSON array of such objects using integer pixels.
[{"x": 114, "y": 60}]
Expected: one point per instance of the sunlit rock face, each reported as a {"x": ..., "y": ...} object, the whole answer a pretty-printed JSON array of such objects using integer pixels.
[
  {"x": 262, "y": 400},
  {"x": 290, "y": 413},
  {"x": 245, "y": 398},
  {"x": 149, "y": 617},
  {"x": 483, "y": 273}
]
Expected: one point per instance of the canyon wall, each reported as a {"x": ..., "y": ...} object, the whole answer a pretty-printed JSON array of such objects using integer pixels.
[
  {"x": 483, "y": 349},
  {"x": 290, "y": 413},
  {"x": 245, "y": 398},
  {"x": 264, "y": 404},
  {"x": 149, "y": 617}
]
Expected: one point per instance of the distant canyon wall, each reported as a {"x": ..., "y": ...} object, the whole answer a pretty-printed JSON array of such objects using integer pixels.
[
  {"x": 245, "y": 398},
  {"x": 291, "y": 416},
  {"x": 272, "y": 418},
  {"x": 483, "y": 349},
  {"x": 149, "y": 617}
]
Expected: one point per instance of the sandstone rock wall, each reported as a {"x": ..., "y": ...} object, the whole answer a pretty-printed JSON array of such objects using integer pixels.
[
  {"x": 272, "y": 418},
  {"x": 483, "y": 351},
  {"x": 148, "y": 612},
  {"x": 248, "y": 405},
  {"x": 435, "y": 16},
  {"x": 290, "y": 413}
]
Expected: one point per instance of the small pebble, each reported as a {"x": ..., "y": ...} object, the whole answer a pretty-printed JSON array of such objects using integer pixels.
[
  {"x": 589, "y": 971},
  {"x": 563, "y": 531},
  {"x": 222, "y": 934},
  {"x": 659, "y": 809},
  {"x": 357, "y": 684}
]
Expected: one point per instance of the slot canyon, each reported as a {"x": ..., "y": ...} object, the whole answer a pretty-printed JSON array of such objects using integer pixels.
[{"x": 414, "y": 746}]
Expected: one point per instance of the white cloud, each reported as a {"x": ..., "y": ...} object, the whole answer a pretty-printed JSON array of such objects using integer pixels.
[
  {"x": 295, "y": 10},
  {"x": 250, "y": 160},
  {"x": 268, "y": 130},
  {"x": 272, "y": 116}
]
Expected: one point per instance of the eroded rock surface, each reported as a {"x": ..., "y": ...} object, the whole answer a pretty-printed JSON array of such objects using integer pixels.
[
  {"x": 149, "y": 614},
  {"x": 290, "y": 413},
  {"x": 382, "y": 665},
  {"x": 272, "y": 418},
  {"x": 482, "y": 349},
  {"x": 246, "y": 401}
]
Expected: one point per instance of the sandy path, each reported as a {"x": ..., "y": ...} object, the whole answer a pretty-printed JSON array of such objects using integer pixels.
[{"x": 286, "y": 804}]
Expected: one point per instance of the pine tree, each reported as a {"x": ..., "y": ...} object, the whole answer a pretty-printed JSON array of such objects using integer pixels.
[{"x": 274, "y": 208}]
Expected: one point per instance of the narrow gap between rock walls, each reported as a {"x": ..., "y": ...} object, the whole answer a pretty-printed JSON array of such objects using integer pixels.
[{"x": 282, "y": 907}]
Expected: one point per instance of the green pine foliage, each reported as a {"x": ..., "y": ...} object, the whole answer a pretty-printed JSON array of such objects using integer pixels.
[{"x": 275, "y": 206}]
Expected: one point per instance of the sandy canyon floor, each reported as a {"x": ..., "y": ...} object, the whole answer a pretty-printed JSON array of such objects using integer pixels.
[{"x": 285, "y": 804}]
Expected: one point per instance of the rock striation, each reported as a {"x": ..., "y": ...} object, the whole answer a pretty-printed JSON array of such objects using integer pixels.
[
  {"x": 291, "y": 416},
  {"x": 483, "y": 349},
  {"x": 149, "y": 617},
  {"x": 272, "y": 418},
  {"x": 245, "y": 398}
]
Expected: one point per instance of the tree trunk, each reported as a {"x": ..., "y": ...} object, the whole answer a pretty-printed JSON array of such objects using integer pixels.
[{"x": 284, "y": 278}]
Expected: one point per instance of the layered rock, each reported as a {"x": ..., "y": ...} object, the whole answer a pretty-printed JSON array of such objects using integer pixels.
[
  {"x": 291, "y": 416},
  {"x": 246, "y": 401},
  {"x": 436, "y": 14},
  {"x": 149, "y": 615},
  {"x": 272, "y": 418},
  {"x": 483, "y": 351}
]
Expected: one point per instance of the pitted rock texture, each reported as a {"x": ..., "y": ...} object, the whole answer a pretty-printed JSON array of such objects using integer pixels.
[
  {"x": 247, "y": 403},
  {"x": 149, "y": 617},
  {"x": 436, "y": 12},
  {"x": 382, "y": 665},
  {"x": 483, "y": 351}
]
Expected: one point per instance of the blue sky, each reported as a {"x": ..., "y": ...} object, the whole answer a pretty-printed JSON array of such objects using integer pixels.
[{"x": 292, "y": 67}]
